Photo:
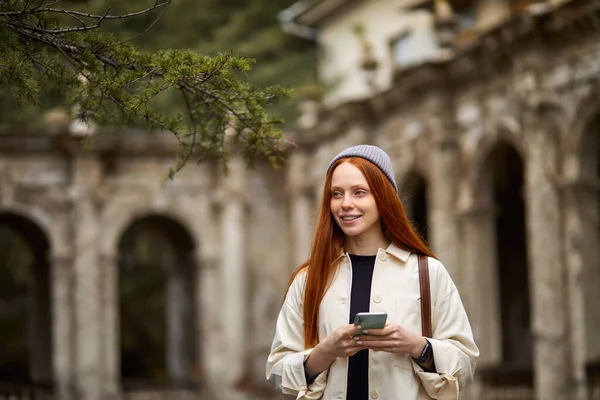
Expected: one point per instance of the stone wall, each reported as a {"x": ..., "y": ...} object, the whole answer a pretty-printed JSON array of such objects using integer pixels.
[{"x": 85, "y": 202}]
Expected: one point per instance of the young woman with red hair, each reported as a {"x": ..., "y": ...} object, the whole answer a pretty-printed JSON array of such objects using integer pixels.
[{"x": 364, "y": 258}]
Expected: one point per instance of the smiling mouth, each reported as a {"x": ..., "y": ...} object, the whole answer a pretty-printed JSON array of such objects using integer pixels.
[{"x": 352, "y": 218}]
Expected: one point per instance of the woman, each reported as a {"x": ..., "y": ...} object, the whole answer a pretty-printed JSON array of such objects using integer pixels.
[{"x": 364, "y": 258}]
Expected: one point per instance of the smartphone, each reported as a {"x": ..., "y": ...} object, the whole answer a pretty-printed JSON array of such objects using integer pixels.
[{"x": 370, "y": 320}]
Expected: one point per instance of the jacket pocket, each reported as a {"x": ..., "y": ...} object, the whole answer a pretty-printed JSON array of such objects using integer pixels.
[
  {"x": 402, "y": 361},
  {"x": 408, "y": 312}
]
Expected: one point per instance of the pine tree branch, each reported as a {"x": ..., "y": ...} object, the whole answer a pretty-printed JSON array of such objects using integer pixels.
[
  {"x": 73, "y": 57},
  {"x": 78, "y": 19},
  {"x": 42, "y": 2},
  {"x": 36, "y": 10},
  {"x": 189, "y": 151},
  {"x": 123, "y": 85},
  {"x": 147, "y": 28},
  {"x": 57, "y": 31}
]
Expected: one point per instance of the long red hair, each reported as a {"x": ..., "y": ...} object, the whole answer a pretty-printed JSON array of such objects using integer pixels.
[{"x": 328, "y": 241}]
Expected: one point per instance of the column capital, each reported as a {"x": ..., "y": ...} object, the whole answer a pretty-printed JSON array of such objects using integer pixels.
[
  {"x": 107, "y": 258},
  {"x": 208, "y": 258},
  {"x": 446, "y": 143},
  {"x": 61, "y": 262},
  {"x": 475, "y": 211},
  {"x": 233, "y": 182},
  {"x": 298, "y": 174},
  {"x": 579, "y": 184}
]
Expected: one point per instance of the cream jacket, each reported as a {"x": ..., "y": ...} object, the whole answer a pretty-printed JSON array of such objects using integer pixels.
[{"x": 395, "y": 290}]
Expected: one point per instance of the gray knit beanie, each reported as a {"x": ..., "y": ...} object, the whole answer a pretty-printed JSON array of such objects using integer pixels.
[{"x": 370, "y": 153}]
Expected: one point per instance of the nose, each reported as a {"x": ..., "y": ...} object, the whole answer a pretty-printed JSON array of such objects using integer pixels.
[{"x": 346, "y": 203}]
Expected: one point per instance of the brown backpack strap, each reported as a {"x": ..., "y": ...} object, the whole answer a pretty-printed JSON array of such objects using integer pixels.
[{"x": 425, "y": 295}]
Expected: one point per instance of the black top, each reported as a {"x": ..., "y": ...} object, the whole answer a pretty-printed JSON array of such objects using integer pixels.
[{"x": 360, "y": 299}]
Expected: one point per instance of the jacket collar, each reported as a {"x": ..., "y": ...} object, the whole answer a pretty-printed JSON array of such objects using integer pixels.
[
  {"x": 391, "y": 249},
  {"x": 397, "y": 252}
]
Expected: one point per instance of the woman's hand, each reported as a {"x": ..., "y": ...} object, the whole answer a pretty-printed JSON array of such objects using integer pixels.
[
  {"x": 393, "y": 338},
  {"x": 340, "y": 343}
]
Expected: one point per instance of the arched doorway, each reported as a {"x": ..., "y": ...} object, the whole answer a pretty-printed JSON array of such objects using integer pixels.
[
  {"x": 502, "y": 188},
  {"x": 25, "y": 302},
  {"x": 413, "y": 194},
  {"x": 157, "y": 292}
]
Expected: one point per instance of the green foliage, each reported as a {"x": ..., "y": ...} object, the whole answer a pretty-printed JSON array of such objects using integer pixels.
[
  {"x": 253, "y": 30},
  {"x": 51, "y": 56}
]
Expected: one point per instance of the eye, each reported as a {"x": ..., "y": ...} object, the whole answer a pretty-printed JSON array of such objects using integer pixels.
[
  {"x": 336, "y": 194},
  {"x": 360, "y": 192}
]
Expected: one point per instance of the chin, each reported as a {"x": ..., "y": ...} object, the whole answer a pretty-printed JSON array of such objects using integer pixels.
[{"x": 352, "y": 232}]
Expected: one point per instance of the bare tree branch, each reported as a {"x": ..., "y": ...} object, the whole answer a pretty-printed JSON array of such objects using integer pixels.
[
  {"x": 57, "y": 31},
  {"x": 147, "y": 28},
  {"x": 39, "y": 5},
  {"x": 84, "y": 14}
]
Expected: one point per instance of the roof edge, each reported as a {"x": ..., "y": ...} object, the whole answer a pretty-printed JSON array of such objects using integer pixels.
[{"x": 310, "y": 12}]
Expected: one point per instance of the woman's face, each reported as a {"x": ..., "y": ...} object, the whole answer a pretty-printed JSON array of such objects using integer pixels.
[{"x": 352, "y": 203}]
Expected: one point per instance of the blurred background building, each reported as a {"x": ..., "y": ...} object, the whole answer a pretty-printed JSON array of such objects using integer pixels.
[{"x": 115, "y": 284}]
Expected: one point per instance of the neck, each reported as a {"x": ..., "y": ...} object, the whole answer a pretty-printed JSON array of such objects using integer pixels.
[{"x": 365, "y": 246}]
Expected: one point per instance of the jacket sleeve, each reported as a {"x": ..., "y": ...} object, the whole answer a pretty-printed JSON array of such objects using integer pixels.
[
  {"x": 454, "y": 350},
  {"x": 285, "y": 365}
]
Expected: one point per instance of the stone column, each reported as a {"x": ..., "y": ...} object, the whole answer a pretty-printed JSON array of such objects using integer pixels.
[
  {"x": 549, "y": 320},
  {"x": 480, "y": 289},
  {"x": 85, "y": 225},
  {"x": 62, "y": 323},
  {"x": 442, "y": 198},
  {"x": 302, "y": 212},
  {"x": 583, "y": 277},
  {"x": 209, "y": 325},
  {"x": 480, "y": 283},
  {"x": 180, "y": 319},
  {"x": 233, "y": 275},
  {"x": 187, "y": 262},
  {"x": 40, "y": 321},
  {"x": 109, "y": 308}
]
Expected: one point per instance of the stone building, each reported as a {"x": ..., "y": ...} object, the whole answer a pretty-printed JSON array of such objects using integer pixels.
[
  {"x": 81, "y": 213},
  {"x": 490, "y": 111}
]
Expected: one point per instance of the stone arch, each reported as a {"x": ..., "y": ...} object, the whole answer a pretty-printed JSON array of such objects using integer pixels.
[
  {"x": 27, "y": 280},
  {"x": 120, "y": 214},
  {"x": 502, "y": 263},
  {"x": 58, "y": 246},
  {"x": 413, "y": 191},
  {"x": 487, "y": 143},
  {"x": 162, "y": 250},
  {"x": 586, "y": 112}
]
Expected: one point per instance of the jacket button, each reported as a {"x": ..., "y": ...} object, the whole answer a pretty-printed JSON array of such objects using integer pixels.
[
  {"x": 374, "y": 394},
  {"x": 383, "y": 256},
  {"x": 377, "y": 299}
]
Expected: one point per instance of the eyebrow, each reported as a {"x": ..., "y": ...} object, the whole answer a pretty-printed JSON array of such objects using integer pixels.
[{"x": 355, "y": 186}]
